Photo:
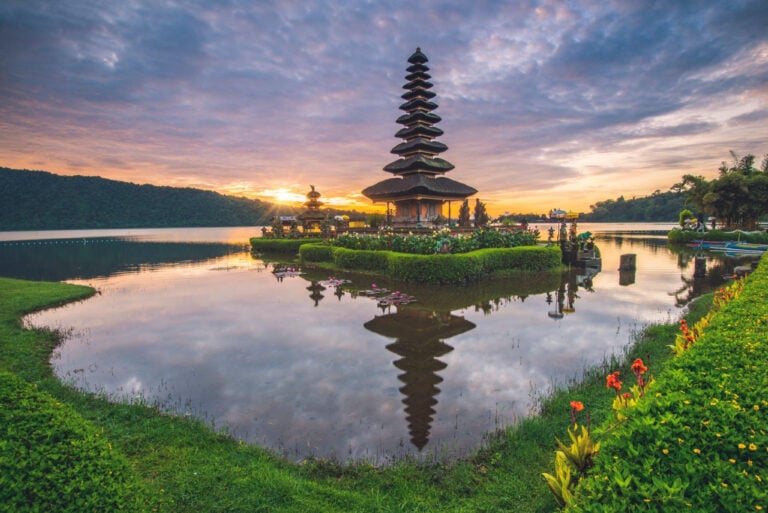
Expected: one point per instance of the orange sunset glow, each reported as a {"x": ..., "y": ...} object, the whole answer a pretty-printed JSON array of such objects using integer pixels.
[{"x": 543, "y": 105}]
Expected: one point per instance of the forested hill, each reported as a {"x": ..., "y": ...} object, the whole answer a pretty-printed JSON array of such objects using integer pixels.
[
  {"x": 659, "y": 206},
  {"x": 37, "y": 200}
]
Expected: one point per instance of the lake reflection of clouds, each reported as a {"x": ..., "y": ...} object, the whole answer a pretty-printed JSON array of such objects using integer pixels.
[{"x": 224, "y": 340}]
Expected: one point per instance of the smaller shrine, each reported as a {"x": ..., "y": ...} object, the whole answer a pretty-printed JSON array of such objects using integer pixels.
[{"x": 312, "y": 219}]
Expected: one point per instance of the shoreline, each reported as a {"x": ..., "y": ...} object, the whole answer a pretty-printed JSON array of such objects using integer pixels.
[{"x": 141, "y": 433}]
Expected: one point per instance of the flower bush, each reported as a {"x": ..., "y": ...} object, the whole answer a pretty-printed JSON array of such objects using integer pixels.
[
  {"x": 623, "y": 401},
  {"x": 698, "y": 441},
  {"x": 433, "y": 243},
  {"x": 688, "y": 336}
]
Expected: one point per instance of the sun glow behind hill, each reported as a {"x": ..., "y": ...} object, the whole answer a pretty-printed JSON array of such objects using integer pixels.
[{"x": 293, "y": 196}]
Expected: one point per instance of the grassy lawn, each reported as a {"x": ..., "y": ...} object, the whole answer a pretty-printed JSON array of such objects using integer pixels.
[{"x": 179, "y": 464}]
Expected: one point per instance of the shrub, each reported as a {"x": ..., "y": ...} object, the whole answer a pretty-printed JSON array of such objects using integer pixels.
[
  {"x": 699, "y": 443},
  {"x": 360, "y": 260},
  {"x": 524, "y": 258},
  {"x": 677, "y": 236},
  {"x": 283, "y": 246},
  {"x": 441, "y": 268},
  {"x": 51, "y": 459},
  {"x": 435, "y": 268},
  {"x": 316, "y": 253}
]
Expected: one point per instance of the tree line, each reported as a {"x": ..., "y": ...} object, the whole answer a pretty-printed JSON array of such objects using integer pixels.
[
  {"x": 38, "y": 200},
  {"x": 658, "y": 207}
]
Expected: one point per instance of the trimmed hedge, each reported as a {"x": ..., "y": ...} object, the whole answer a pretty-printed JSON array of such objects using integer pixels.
[
  {"x": 698, "y": 441},
  {"x": 283, "y": 246},
  {"x": 316, "y": 252},
  {"x": 361, "y": 260},
  {"x": 678, "y": 236},
  {"x": 460, "y": 268},
  {"x": 524, "y": 258},
  {"x": 51, "y": 459}
]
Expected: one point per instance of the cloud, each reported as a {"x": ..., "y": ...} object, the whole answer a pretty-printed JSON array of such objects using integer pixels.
[{"x": 233, "y": 92}]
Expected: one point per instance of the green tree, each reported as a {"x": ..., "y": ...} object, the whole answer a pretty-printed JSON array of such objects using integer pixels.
[
  {"x": 737, "y": 198},
  {"x": 481, "y": 214},
  {"x": 376, "y": 220},
  {"x": 464, "y": 214},
  {"x": 694, "y": 188}
]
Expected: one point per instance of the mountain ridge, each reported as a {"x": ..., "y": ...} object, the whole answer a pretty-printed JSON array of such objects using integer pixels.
[{"x": 41, "y": 200}]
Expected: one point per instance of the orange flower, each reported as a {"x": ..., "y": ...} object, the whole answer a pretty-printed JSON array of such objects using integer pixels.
[
  {"x": 612, "y": 381},
  {"x": 638, "y": 367},
  {"x": 577, "y": 405}
]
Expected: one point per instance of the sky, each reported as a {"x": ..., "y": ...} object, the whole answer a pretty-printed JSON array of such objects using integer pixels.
[{"x": 544, "y": 104}]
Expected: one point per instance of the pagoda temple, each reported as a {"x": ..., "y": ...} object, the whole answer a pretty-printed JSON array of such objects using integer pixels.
[
  {"x": 312, "y": 218},
  {"x": 418, "y": 190}
]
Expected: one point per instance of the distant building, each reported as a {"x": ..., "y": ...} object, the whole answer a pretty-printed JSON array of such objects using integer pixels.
[
  {"x": 557, "y": 214},
  {"x": 562, "y": 215},
  {"x": 419, "y": 191},
  {"x": 287, "y": 220}
]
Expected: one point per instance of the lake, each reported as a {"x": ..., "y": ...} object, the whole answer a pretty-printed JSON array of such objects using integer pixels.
[{"x": 190, "y": 320}]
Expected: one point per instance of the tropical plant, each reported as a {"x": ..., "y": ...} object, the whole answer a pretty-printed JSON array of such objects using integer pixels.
[{"x": 572, "y": 461}]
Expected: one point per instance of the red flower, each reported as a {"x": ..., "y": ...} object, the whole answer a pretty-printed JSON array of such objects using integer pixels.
[
  {"x": 638, "y": 367},
  {"x": 612, "y": 381},
  {"x": 575, "y": 407}
]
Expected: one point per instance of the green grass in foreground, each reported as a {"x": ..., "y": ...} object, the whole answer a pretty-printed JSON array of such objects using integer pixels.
[{"x": 181, "y": 465}]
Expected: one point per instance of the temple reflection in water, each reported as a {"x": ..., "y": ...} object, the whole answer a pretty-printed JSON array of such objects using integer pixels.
[{"x": 420, "y": 336}]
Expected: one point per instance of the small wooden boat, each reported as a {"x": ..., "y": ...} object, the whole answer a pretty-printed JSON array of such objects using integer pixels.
[
  {"x": 744, "y": 248},
  {"x": 706, "y": 244}
]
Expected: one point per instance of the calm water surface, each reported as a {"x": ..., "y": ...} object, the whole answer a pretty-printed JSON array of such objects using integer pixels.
[{"x": 191, "y": 320}]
